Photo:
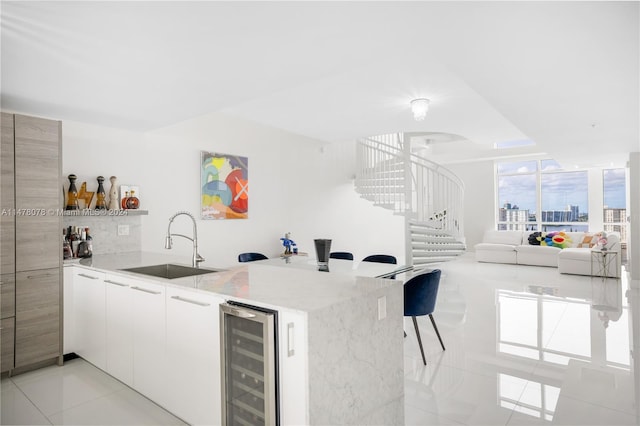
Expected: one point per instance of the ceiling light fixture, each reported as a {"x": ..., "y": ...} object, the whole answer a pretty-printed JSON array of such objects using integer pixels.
[{"x": 419, "y": 107}]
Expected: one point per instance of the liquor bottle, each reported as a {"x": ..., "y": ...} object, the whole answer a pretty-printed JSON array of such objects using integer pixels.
[
  {"x": 89, "y": 240},
  {"x": 84, "y": 248},
  {"x": 113, "y": 194},
  {"x": 101, "y": 204},
  {"x": 66, "y": 246},
  {"x": 72, "y": 194},
  {"x": 124, "y": 200},
  {"x": 132, "y": 201}
]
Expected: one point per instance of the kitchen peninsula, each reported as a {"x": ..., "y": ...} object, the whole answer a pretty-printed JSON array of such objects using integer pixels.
[{"x": 340, "y": 336}]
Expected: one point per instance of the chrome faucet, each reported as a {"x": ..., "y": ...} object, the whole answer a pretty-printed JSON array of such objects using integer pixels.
[{"x": 196, "y": 258}]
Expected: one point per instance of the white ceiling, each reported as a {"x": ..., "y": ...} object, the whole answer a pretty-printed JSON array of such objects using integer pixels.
[{"x": 564, "y": 74}]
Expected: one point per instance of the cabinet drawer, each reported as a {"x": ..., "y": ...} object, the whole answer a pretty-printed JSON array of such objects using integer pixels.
[
  {"x": 7, "y": 335},
  {"x": 37, "y": 316},
  {"x": 7, "y": 295}
]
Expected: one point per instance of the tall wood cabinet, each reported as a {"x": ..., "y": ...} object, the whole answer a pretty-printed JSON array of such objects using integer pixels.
[{"x": 31, "y": 240}]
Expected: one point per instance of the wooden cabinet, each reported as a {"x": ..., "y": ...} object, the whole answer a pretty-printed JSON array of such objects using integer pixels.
[
  {"x": 7, "y": 196},
  {"x": 37, "y": 187},
  {"x": 7, "y": 295},
  {"x": 7, "y": 241},
  {"x": 30, "y": 248},
  {"x": 89, "y": 313},
  {"x": 7, "y": 333},
  {"x": 37, "y": 316},
  {"x": 193, "y": 356},
  {"x": 119, "y": 336}
]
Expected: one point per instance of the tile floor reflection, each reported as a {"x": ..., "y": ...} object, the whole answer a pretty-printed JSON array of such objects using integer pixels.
[{"x": 525, "y": 346}]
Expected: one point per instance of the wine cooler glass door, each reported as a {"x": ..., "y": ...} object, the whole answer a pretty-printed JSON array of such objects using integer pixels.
[{"x": 248, "y": 366}]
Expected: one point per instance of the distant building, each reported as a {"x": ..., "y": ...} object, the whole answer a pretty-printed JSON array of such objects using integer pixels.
[
  {"x": 516, "y": 219},
  {"x": 571, "y": 214},
  {"x": 615, "y": 220}
]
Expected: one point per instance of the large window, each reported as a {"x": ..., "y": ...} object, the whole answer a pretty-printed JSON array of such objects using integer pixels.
[
  {"x": 539, "y": 195},
  {"x": 517, "y": 195},
  {"x": 615, "y": 201},
  {"x": 565, "y": 200}
]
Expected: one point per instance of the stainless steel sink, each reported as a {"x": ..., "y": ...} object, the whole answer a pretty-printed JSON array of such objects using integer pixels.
[{"x": 170, "y": 271}]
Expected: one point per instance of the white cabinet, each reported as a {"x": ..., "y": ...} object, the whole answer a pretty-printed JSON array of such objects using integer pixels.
[
  {"x": 164, "y": 342},
  {"x": 69, "y": 321},
  {"x": 293, "y": 374},
  {"x": 89, "y": 316},
  {"x": 119, "y": 332},
  {"x": 193, "y": 356},
  {"x": 148, "y": 323}
]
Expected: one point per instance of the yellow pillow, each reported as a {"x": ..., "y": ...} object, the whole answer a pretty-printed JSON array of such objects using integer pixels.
[{"x": 588, "y": 241}]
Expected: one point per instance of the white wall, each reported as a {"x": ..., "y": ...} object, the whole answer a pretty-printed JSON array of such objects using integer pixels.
[
  {"x": 296, "y": 185},
  {"x": 479, "y": 198}
]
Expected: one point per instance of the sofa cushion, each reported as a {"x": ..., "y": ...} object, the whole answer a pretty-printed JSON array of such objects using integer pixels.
[
  {"x": 513, "y": 238},
  {"x": 494, "y": 247},
  {"x": 575, "y": 253},
  {"x": 547, "y": 250}
]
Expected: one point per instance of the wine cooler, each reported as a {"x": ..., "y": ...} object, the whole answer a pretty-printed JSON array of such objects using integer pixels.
[{"x": 249, "y": 365}]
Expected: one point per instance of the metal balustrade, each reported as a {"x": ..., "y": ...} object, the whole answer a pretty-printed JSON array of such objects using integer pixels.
[{"x": 428, "y": 195}]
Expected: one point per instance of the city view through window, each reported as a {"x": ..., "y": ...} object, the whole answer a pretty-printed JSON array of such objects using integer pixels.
[{"x": 539, "y": 196}]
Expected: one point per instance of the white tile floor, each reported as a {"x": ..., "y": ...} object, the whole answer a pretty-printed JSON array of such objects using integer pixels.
[{"x": 525, "y": 346}]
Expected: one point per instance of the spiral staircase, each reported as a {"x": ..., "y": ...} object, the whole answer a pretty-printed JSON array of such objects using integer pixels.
[{"x": 394, "y": 176}]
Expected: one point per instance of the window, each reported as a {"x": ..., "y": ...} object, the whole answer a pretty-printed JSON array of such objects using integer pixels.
[
  {"x": 565, "y": 200},
  {"x": 517, "y": 195},
  {"x": 615, "y": 201},
  {"x": 538, "y": 195}
]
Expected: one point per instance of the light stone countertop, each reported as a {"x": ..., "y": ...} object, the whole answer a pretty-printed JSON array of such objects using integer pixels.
[{"x": 268, "y": 285}]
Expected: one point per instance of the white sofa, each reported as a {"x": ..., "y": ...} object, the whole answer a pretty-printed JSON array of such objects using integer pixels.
[
  {"x": 513, "y": 247},
  {"x": 580, "y": 261}
]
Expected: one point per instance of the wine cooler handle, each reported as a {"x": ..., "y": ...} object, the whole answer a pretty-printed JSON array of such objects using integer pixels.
[
  {"x": 240, "y": 313},
  {"x": 291, "y": 351}
]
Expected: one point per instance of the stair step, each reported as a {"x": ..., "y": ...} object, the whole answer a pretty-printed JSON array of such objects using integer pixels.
[
  {"x": 429, "y": 260},
  {"x": 436, "y": 247}
]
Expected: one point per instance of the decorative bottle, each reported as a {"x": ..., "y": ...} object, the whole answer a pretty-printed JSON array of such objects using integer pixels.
[
  {"x": 72, "y": 194},
  {"x": 100, "y": 200},
  {"x": 114, "y": 201},
  {"x": 124, "y": 200},
  {"x": 132, "y": 201}
]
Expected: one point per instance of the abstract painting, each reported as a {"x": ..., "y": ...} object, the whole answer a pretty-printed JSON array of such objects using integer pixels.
[{"x": 224, "y": 186}]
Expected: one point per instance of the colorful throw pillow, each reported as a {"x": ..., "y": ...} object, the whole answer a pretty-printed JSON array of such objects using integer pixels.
[
  {"x": 535, "y": 238},
  {"x": 555, "y": 239},
  {"x": 588, "y": 241}
]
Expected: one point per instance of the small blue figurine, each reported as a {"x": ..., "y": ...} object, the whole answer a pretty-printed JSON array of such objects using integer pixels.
[{"x": 289, "y": 245}]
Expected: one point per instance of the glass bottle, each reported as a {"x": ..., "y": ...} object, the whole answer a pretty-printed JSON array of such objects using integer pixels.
[
  {"x": 123, "y": 204},
  {"x": 101, "y": 204},
  {"x": 72, "y": 194},
  {"x": 66, "y": 246},
  {"x": 132, "y": 201}
]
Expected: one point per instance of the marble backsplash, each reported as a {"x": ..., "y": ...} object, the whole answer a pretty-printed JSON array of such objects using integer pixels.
[{"x": 104, "y": 231}]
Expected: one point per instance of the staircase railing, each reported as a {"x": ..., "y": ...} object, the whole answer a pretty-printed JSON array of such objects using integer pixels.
[{"x": 429, "y": 195}]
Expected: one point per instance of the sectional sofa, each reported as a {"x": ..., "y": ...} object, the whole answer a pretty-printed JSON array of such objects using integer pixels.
[{"x": 578, "y": 257}]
